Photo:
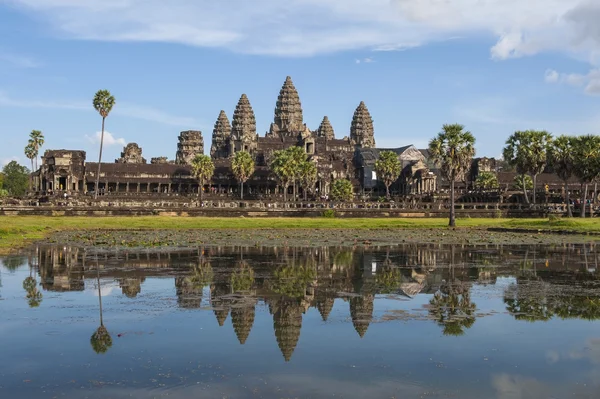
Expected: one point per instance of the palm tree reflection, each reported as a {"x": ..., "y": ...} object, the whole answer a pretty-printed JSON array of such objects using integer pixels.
[{"x": 100, "y": 340}]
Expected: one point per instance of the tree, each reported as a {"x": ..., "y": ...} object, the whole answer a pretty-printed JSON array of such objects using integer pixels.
[
  {"x": 521, "y": 181},
  {"x": 562, "y": 161},
  {"x": 586, "y": 153},
  {"x": 100, "y": 339},
  {"x": 285, "y": 164},
  {"x": 103, "y": 103},
  {"x": 36, "y": 141},
  {"x": 202, "y": 169},
  {"x": 453, "y": 150},
  {"x": 308, "y": 176},
  {"x": 242, "y": 166},
  {"x": 528, "y": 151},
  {"x": 486, "y": 181},
  {"x": 16, "y": 179},
  {"x": 388, "y": 169},
  {"x": 31, "y": 154},
  {"x": 341, "y": 190}
]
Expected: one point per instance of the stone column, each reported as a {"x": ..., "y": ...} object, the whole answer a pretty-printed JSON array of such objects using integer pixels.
[
  {"x": 138, "y": 188},
  {"x": 127, "y": 188},
  {"x": 117, "y": 187}
]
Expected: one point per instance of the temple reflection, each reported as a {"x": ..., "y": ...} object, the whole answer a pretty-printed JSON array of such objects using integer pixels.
[{"x": 551, "y": 281}]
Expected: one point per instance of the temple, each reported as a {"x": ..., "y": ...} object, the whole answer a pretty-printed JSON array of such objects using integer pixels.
[{"x": 350, "y": 157}]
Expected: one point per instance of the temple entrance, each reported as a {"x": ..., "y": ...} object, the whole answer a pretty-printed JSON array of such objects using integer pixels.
[{"x": 62, "y": 183}]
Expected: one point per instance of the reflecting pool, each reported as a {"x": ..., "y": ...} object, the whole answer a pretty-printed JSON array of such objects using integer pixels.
[{"x": 408, "y": 321}]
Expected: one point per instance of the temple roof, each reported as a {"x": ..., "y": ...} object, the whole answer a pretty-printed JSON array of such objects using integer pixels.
[
  {"x": 361, "y": 130},
  {"x": 288, "y": 109},
  {"x": 244, "y": 121},
  {"x": 325, "y": 129}
]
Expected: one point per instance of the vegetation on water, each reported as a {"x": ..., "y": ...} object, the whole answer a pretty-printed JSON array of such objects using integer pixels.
[{"x": 16, "y": 231}]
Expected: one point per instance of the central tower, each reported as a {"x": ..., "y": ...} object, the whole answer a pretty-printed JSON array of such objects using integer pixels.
[{"x": 288, "y": 112}]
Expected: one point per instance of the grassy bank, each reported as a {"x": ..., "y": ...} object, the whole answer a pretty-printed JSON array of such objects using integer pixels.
[{"x": 16, "y": 231}]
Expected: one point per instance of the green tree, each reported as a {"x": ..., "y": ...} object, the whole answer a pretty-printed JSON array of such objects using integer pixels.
[
  {"x": 36, "y": 141},
  {"x": 486, "y": 181},
  {"x": 388, "y": 169},
  {"x": 453, "y": 150},
  {"x": 586, "y": 153},
  {"x": 31, "y": 154},
  {"x": 242, "y": 166},
  {"x": 103, "y": 103},
  {"x": 342, "y": 190},
  {"x": 562, "y": 161},
  {"x": 16, "y": 178},
  {"x": 100, "y": 340},
  {"x": 452, "y": 308},
  {"x": 203, "y": 169},
  {"x": 519, "y": 180},
  {"x": 285, "y": 164},
  {"x": 528, "y": 151},
  {"x": 308, "y": 176}
]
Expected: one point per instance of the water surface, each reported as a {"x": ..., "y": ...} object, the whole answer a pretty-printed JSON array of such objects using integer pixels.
[{"x": 407, "y": 321}]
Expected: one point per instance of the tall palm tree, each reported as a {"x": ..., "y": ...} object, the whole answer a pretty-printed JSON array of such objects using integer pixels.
[
  {"x": 283, "y": 167},
  {"x": 242, "y": 166},
  {"x": 561, "y": 159},
  {"x": 100, "y": 340},
  {"x": 103, "y": 103},
  {"x": 30, "y": 153},
  {"x": 586, "y": 153},
  {"x": 453, "y": 150},
  {"x": 308, "y": 176},
  {"x": 203, "y": 169},
  {"x": 36, "y": 140}
]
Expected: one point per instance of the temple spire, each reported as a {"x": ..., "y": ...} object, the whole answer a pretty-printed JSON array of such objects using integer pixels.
[
  {"x": 325, "y": 129},
  {"x": 220, "y": 136},
  {"x": 361, "y": 130},
  {"x": 288, "y": 112},
  {"x": 243, "y": 126}
]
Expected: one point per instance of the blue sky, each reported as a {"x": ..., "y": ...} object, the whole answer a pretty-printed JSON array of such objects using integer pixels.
[{"x": 495, "y": 66}]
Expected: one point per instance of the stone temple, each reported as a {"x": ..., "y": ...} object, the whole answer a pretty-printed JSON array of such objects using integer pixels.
[{"x": 349, "y": 157}]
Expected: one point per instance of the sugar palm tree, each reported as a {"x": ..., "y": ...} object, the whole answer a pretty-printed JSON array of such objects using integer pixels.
[
  {"x": 453, "y": 150},
  {"x": 203, "y": 169},
  {"x": 388, "y": 169},
  {"x": 103, "y": 103},
  {"x": 562, "y": 161},
  {"x": 282, "y": 166},
  {"x": 30, "y": 153},
  {"x": 36, "y": 140},
  {"x": 308, "y": 176},
  {"x": 100, "y": 340},
  {"x": 242, "y": 166},
  {"x": 586, "y": 153}
]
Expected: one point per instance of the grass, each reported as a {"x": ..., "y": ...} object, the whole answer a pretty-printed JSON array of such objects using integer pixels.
[{"x": 16, "y": 231}]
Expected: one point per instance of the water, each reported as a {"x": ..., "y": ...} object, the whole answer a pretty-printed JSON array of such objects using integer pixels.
[{"x": 414, "y": 321}]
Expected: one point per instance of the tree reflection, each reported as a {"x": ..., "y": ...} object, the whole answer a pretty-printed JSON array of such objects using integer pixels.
[
  {"x": 34, "y": 296},
  {"x": 452, "y": 308},
  {"x": 293, "y": 279},
  {"x": 100, "y": 340}
]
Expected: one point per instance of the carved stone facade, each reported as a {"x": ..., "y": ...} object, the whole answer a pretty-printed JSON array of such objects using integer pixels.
[
  {"x": 132, "y": 153},
  {"x": 190, "y": 144},
  {"x": 325, "y": 129},
  {"x": 288, "y": 113},
  {"x": 243, "y": 128},
  {"x": 159, "y": 161},
  {"x": 221, "y": 136}
]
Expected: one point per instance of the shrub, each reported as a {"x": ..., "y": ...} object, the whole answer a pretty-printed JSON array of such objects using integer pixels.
[{"x": 329, "y": 213}]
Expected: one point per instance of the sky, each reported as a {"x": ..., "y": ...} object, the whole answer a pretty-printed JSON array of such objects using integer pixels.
[{"x": 495, "y": 66}]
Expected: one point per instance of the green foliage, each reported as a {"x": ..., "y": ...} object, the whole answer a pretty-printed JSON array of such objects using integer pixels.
[
  {"x": 453, "y": 151},
  {"x": 586, "y": 155},
  {"x": 16, "y": 178},
  {"x": 307, "y": 175},
  {"x": 203, "y": 169},
  {"x": 13, "y": 262},
  {"x": 343, "y": 258},
  {"x": 388, "y": 280},
  {"x": 103, "y": 102},
  {"x": 287, "y": 166},
  {"x": 101, "y": 340},
  {"x": 36, "y": 141},
  {"x": 486, "y": 181},
  {"x": 293, "y": 280},
  {"x": 2, "y": 178},
  {"x": 329, "y": 213},
  {"x": 388, "y": 169},
  {"x": 242, "y": 278},
  {"x": 202, "y": 274},
  {"x": 342, "y": 190},
  {"x": 242, "y": 166},
  {"x": 452, "y": 308},
  {"x": 518, "y": 182},
  {"x": 34, "y": 296},
  {"x": 561, "y": 157}
]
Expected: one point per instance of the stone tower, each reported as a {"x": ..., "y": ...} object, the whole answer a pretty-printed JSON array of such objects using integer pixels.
[
  {"x": 325, "y": 129},
  {"x": 220, "y": 137},
  {"x": 243, "y": 128},
  {"x": 190, "y": 144},
  {"x": 361, "y": 130},
  {"x": 132, "y": 153},
  {"x": 288, "y": 112},
  {"x": 242, "y": 319}
]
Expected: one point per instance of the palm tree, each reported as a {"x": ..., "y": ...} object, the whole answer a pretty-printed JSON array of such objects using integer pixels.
[
  {"x": 486, "y": 181},
  {"x": 36, "y": 140},
  {"x": 103, "y": 103},
  {"x": 242, "y": 166},
  {"x": 453, "y": 150},
  {"x": 308, "y": 176},
  {"x": 388, "y": 168},
  {"x": 203, "y": 169},
  {"x": 282, "y": 166},
  {"x": 527, "y": 151},
  {"x": 30, "y": 153},
  {"x": 561, "y": 159},
  {"x": 586, "y": 153}
]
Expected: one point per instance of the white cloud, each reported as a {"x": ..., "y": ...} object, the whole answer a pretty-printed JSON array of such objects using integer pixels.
[
  {"x": 308, "y": 27},
  {"x": 367, "y": 60},
  {"x": 109, "y": 139},
  {"x": 591, "y": 80},
  {"x": 125, "y": 109},
  {"x": 5, "y": 161},
  {"x": 18, "y": 60}
]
